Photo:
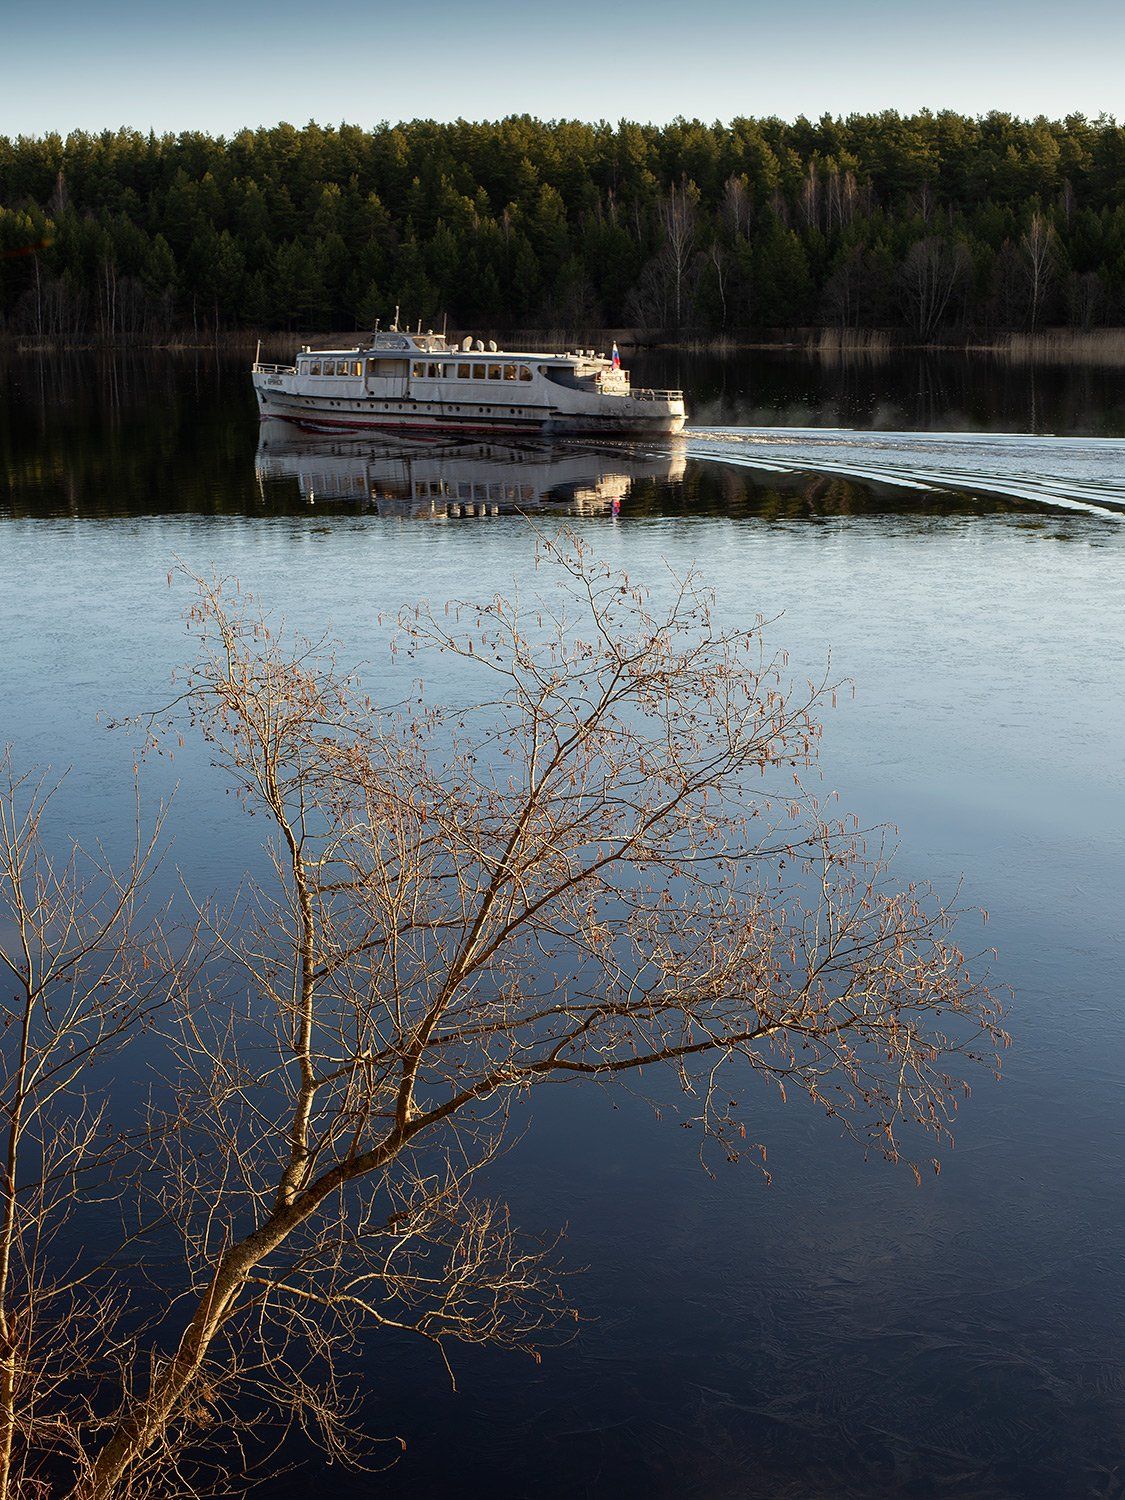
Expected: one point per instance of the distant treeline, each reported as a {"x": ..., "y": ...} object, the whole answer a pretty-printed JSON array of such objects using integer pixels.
[{"x": 928, "y": 224}]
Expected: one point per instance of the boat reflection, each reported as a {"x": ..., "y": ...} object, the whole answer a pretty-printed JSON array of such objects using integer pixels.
[{"x": 453, "y": 480}]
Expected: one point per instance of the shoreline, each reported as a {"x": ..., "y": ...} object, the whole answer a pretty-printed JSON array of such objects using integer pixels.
[{"x": 1101, "y": 347}]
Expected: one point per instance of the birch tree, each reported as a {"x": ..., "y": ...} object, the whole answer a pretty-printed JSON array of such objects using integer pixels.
[
  {"x": 678, "y": 212},
  {"x": 1039, "y": 249}
]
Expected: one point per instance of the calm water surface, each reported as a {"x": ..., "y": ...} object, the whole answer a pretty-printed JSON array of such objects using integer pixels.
[{"x": 841, "y": 1332}]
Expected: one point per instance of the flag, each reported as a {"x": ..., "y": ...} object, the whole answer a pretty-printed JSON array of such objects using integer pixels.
[{"x": 616, "y": 357}]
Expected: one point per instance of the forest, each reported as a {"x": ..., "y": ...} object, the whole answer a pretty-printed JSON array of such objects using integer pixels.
[{"x": 926, "y": 226}]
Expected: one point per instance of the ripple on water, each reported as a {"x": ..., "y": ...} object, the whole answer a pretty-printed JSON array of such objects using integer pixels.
[{"x": 1085, "y": 474}]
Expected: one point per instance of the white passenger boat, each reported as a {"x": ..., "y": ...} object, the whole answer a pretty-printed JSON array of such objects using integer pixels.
[{"x": 419, "y": 382}]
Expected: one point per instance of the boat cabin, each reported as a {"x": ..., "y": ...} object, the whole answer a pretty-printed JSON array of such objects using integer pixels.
[{"x": 392, "y": 365}]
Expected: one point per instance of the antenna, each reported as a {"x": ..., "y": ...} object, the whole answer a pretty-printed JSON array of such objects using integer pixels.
[
  {"x": 394, "y": 325},
  {"x": 418, "y": 335},
  {"x": 444, "y": 321},
  {"x": 377, "y": 322}
]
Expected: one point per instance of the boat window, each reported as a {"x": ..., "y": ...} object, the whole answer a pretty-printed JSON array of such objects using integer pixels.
[
  {"x": 434, "y": 371},
  {"x": 478, "y": 372},
  {"x": 314, "y": 367},
  {"x": 418, "y": 371},
  {"x": 462, "y": 372},
  {"x": 357, "y": 367},
  {"x": 494, "y": 372},
  {"x": 565, "y": 375},
  {"x": 509, "y": 372},
  {"x": 525, "y": 373}
]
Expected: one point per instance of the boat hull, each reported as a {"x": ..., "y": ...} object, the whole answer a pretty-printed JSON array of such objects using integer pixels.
[{"x": 605, "y": 416}]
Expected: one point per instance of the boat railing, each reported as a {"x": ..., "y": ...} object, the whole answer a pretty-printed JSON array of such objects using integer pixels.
[
  {"x": 261, "y": 369},
  {"x": 652, "y": 395}
]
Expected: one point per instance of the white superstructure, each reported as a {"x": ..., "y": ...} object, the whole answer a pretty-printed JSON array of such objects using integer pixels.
[{"x": 417, "y": 381}]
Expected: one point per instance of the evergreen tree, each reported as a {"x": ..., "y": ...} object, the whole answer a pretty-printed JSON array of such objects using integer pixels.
[{"x": 522, "y": 223}]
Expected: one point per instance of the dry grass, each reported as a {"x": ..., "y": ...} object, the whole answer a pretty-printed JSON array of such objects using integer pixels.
[
  {"x": 1066, "y": 346},
  {"x": 840, "y": 345}
]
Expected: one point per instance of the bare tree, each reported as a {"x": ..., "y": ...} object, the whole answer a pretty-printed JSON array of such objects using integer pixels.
[
  {"x": 845, "y": 291},
  {"x": 1086, "y": 300},
  {"x": 843, "y": 197},
  {"x": 719, "y": 259},
  {"x": 1039, "y": 248},
  {"x": 80, "y": 974},
  {"x": 932, "y": 272},
  {"x": 602, "y": 866},
  {"x": 678, "y": 211},
  {"x": 663, "y": 293},
  {"x": 810, "y": 199},
  {"x": 737, "y": 205}
]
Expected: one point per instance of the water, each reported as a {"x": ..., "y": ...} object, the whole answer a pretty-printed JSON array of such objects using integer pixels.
[
  {"x": 911, "y": 392},
  {"x": 1063, "y": 473},
  {"x": 841, "y": 1332}
]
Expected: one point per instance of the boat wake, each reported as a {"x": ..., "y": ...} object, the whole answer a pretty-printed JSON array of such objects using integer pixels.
[{"x": 1082, "y": 474}]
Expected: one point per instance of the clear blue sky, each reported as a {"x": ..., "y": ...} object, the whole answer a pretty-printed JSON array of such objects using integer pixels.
[{"x": 217, "y": 65}]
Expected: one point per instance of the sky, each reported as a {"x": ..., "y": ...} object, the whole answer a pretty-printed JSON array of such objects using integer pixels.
[{"x": 172, "y": 65}]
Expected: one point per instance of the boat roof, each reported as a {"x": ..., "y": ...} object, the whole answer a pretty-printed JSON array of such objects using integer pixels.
[{"x": 394, "y": 342}]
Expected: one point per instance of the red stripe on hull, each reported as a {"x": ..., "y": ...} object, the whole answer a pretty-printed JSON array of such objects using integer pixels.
[{"x": 319, "y": 423}]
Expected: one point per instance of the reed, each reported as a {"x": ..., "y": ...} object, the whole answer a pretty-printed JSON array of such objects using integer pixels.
[
  {"x": 1104, "y": 347},
  {"x": 843, "y": 345}
]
